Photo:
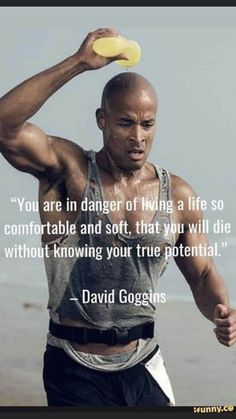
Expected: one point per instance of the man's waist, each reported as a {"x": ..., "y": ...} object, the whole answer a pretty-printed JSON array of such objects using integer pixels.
[{"x": 112, "y": 336}]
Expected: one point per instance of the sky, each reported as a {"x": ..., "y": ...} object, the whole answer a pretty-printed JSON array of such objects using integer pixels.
[{"x": 188, "y": 54}]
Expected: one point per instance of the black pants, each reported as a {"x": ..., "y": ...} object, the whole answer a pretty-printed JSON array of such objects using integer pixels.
[{"x": 68, "y": 383}]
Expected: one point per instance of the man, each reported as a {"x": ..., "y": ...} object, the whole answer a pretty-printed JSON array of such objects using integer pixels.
[{"x": 101, "y": 349}]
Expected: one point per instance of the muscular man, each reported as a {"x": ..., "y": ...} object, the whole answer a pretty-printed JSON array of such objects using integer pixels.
[{"x": 102, "y": 351}]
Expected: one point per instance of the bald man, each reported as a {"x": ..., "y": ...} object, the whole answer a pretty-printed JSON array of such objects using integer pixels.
[{"x": 101, "y": 346}]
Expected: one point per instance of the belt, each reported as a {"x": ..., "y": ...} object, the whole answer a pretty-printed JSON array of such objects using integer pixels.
[{"x": 111, "y": 336}]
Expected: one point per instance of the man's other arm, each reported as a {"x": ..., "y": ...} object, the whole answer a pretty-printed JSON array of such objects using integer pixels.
[{"x": 207, "y": 285}]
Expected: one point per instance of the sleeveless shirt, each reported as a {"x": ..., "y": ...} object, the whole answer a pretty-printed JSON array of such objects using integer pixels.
[{"x": 135, "y": 275}]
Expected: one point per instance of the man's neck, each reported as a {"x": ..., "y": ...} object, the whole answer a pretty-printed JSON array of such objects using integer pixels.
[{"x": 106, "y": 162}]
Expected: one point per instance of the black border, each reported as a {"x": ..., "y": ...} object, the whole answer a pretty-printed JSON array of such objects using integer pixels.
[
  {"x": 37, "y": 412},
  {"x": 116, "y": 3},
  {"x": 103, "y": 413}
]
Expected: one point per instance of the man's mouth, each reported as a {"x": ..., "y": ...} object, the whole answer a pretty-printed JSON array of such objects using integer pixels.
[{"x": 136, "y": 154}]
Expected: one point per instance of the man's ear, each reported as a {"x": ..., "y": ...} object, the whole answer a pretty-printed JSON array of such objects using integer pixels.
[{"x": 100, "y": 118}]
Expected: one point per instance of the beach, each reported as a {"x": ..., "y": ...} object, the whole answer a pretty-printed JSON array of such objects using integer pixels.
[{"x": 202, "y": 371}]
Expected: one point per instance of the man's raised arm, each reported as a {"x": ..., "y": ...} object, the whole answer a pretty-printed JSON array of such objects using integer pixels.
[
  {"x": 23, "y": 144},
  {"x": 208, "y": 287}
]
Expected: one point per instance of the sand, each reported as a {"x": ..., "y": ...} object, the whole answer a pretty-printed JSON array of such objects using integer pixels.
[{"x": 202, "y": 371}]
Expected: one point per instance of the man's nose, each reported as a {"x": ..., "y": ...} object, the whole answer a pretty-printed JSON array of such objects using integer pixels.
[{"x": 136, "y": 134}]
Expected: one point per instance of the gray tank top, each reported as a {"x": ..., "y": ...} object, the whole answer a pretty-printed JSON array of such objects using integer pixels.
[{"x": 69, "y": 276}]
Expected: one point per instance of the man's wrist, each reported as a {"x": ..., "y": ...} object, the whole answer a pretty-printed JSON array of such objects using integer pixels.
[{"x": 80, "y": 63}]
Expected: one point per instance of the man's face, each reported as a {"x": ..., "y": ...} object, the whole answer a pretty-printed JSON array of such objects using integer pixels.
[{"x": 128, "y": 123}]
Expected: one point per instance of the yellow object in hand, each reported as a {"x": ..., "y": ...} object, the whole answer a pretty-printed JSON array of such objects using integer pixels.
[{"x": 112, "y": 46}]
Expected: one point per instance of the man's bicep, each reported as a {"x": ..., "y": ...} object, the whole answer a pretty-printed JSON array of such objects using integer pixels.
[
  {"x": 192, "y": 261},
  {"x": 31, "y": 151}
]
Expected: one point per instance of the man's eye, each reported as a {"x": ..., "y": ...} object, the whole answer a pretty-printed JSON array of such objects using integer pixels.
[{"x": 148, "y": 125}]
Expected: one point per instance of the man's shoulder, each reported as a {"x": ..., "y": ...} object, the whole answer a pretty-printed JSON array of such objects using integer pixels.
[
  {"x": 67, "y": 150},
  {"x": 64, "y": 143},
  {"x": 71, "y": 159},
  {"x": 180, "y": 188},
  {"x": 178, "y": 184}
]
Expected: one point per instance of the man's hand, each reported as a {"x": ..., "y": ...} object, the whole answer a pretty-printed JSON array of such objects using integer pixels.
[
  {"x": 225, "y": 320},
  {"x": 88, "y": 58}
]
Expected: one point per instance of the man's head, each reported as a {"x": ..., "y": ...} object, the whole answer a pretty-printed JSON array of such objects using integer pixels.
[{"x": 127, "y": 118}]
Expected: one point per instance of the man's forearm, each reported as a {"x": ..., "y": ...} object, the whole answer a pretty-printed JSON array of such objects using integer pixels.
[
  {"x": 209, "y": 291},
  {"x": 22, "y": 102}
]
